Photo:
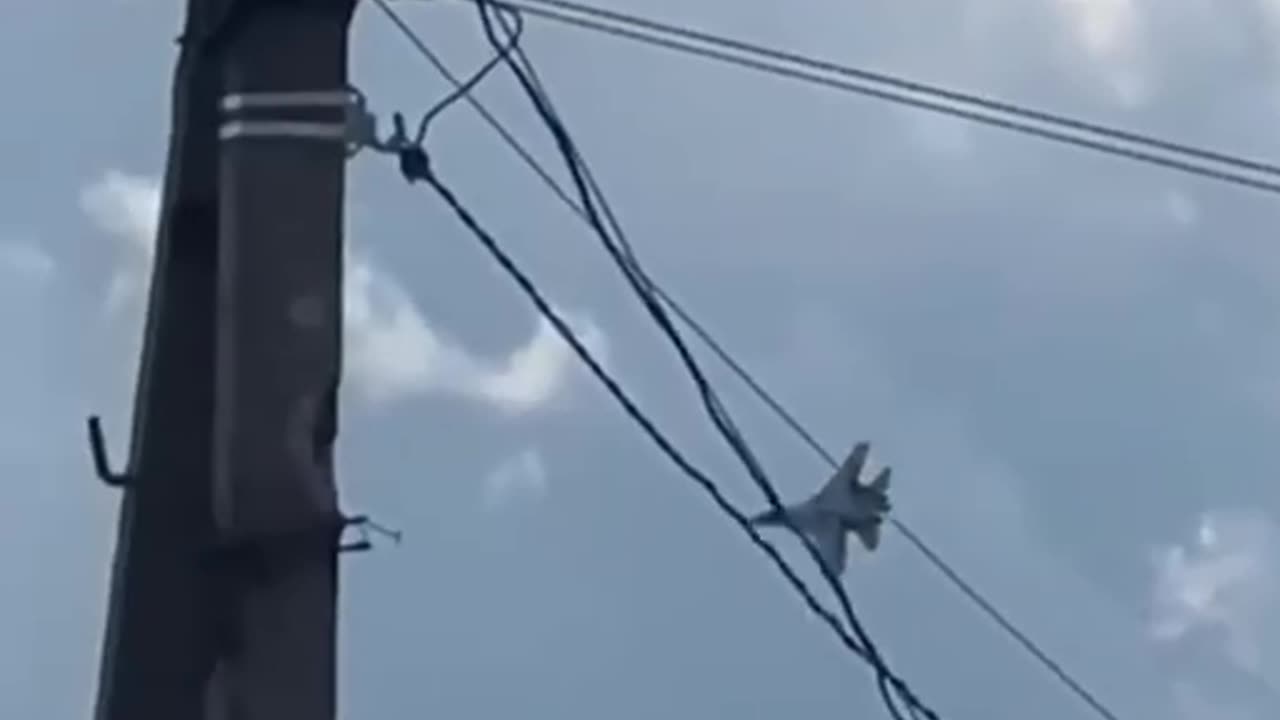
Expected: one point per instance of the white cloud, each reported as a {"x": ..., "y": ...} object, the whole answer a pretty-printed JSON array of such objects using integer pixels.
[
  {"x": 522, "y": 476},
  {"x": 26, "y": 261},
  {"x": 1225, "y": 582},
  {"x": 1271, "y": 11},
  {"x": 536, "y": 372},
  {"x": 1110, "y": 33},
  {"x": 1102, "y": 27},
  {"x": 127, "y": 208},
  {"x": 391, "y": 350}
]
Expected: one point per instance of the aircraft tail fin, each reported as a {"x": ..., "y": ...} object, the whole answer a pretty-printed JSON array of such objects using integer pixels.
[{"x": 881, "y": 482}]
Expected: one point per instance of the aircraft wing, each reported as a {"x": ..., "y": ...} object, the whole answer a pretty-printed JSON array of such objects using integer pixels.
[
  {"x": 869, "y": 534},
  {"x": 846, "y": 478},
  {"x": 830, "y": 539}
]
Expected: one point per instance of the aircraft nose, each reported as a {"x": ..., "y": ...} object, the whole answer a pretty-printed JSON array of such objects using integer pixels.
[{"x": 768, "y": 517}]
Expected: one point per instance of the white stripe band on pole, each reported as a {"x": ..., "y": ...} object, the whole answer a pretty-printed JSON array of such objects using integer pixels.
[
  {"x": 299, "y": 99},
  {"x": 282, "y": 129}
]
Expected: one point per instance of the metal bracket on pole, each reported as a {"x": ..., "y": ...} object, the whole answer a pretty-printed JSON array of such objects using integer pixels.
[
  {"x": 258, "y": 555},
  {"x": 364, "y": 525}
]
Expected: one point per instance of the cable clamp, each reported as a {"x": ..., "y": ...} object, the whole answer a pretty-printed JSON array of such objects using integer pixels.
[{"x": 362, "y": 129}]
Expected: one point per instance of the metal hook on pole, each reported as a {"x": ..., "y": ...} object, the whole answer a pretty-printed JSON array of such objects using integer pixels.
[{"x": 101, "y": 461}]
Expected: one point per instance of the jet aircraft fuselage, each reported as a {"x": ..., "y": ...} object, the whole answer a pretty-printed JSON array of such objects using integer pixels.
[{"x": 842, "y": 506}]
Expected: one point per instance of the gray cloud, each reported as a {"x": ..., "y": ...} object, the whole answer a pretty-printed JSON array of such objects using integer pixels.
[{"x": 1060, "y": 354}]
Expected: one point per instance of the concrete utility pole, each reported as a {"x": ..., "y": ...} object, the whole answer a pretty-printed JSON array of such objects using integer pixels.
[
  {"x": 157, "y": 649},
  {"x": 279, "y": 354},
  {"x": 223, "y": 596}
]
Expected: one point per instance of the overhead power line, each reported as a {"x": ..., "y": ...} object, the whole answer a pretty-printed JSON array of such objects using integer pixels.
[
  {"x": 620, "y": 250},
  {"x": 931, "y": 555},
  {"x": 972, "y": 593},
  {"x": 993, "y": 113},
  {"x": 901, "y": 83},
  {"x": 529, "y": 288},
  {"x": 415, "y": 166},
  {"x": 608, "y": 229}
]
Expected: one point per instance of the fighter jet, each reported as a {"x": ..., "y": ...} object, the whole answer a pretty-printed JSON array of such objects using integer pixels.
[{"x": 843, "y": 505}]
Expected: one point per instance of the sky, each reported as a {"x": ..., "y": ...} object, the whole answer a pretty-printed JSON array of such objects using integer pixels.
[{"x": 1072, "y": 363}]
